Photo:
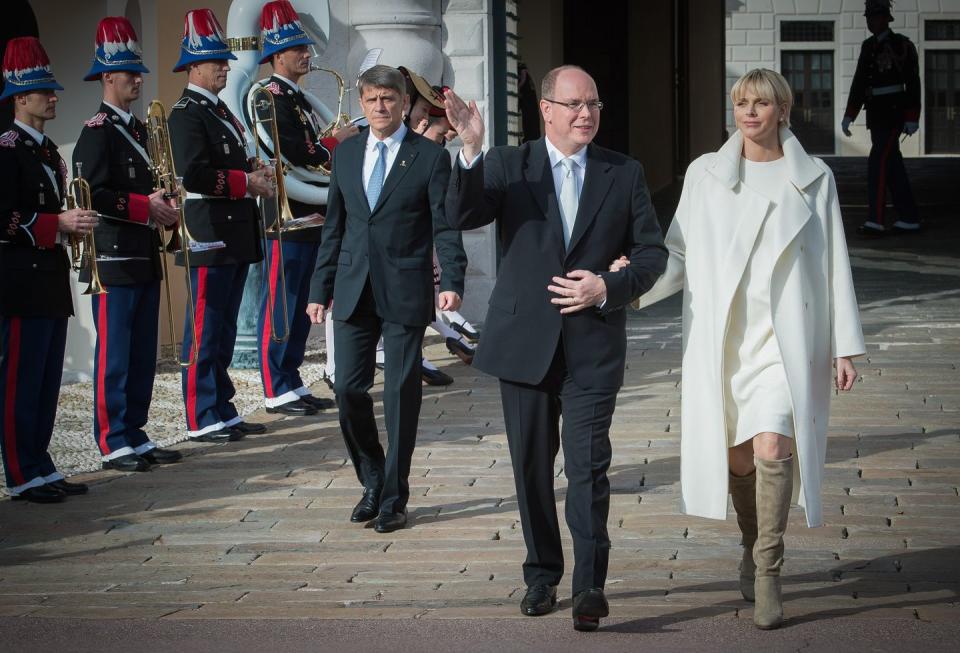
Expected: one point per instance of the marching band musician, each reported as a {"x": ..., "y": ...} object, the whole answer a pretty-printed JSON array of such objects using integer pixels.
[
  {"x": 35, "y": 299},
  {"x": 285, "y": 46},
  {"x": 112, "y": 156},
  {"x": 224, "y": 225}
]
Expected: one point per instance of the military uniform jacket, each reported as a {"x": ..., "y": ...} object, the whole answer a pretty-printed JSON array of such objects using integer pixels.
[
  {"x": 34, "y": 268},
  {"x": 112, "y": 157},
  {"x": 301, "y": 145},
  {"x": 883, "y": 66},
  {"x": 209, "y": 154}
]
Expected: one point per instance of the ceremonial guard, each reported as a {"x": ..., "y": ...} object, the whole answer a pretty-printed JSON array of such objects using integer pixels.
[
  {"x": 111, "y": 154},
  {"x": 223, "y": 223},
  {"x": 35, "y": 299},
  {"x": 887, "y": 83},
  {"x": 285, "y": 46}
]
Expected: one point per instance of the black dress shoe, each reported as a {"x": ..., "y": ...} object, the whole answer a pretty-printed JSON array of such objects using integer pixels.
[
  {"x": 68, "y": 488},
  {"x": 588, "y": 607},
  {"x": 387, "y": 522},
  {"x": 320, "y": 403},
  {"x": 460, "y": 350},
  {"x": 870, "y": 232},
  {"x": 128, "y": 463},
  {"x": 222, "y": 435},
  {"x": 469, "y": 334},
  {"x": 246, "y": 428},
  {"x": 368, "y": 507},
  {"x": 539, "y": 600},
  {"x": 158, "y": 456},
  {"x": 40, "y": 494},
  {"x": 297, "y": 408},
  {"x": 434, "y": 377}
]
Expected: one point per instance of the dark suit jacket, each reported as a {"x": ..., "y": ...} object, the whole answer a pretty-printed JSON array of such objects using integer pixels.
[
  {"x": 120, "y": 181},
  {"x": 213, "y": 163},
  {"x": 514, "y": 186},
  {"x": 393, "y": 244}
]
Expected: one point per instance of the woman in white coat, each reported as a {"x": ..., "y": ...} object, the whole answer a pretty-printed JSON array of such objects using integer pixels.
[{"x": 757, "y": 246}]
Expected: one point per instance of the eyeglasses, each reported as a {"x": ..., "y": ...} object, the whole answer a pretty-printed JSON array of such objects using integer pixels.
[{"x": 577, "y": 107}]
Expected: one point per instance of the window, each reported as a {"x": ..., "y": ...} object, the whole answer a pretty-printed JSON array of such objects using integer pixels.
[
  {"x": 810, "y": 75},
  {"x": 941, "y": 30},
  {"x": 806, "y": 30}
]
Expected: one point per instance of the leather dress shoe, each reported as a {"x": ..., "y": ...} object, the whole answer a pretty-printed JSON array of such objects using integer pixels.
[
  {"x": 469, "y": 334},
  {"x": 222, "y": 435},
  {"x": 539, "y": 600},
  {"x": 871, "y": 232},
  {"x": 434, "y": 377},
  {"x": 588, "y": 607},
  {"x": 128, "y": 463},
  {"x": 68, "y": 488},
  {"x": 320, "y": 403},
  {"x": 246, "y": 428},
  {"x": 297, "y": 408},
  {"x": 460, "y": 350},
  {"x": 387, "y": 522},
  {"x": 158, "y": 456},
  {"x": 368, "y": 507},
  {"x": 40, "y": 494}
]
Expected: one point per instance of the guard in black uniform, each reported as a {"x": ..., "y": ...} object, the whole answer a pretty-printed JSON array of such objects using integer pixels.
[
  {"x": 224, "y": 225},
  {"x": 887, "y": 83},
  {"x": 112, "y": 156},
  {"x": 285, "y": 47},
  {"x": 35, "y": 299}
]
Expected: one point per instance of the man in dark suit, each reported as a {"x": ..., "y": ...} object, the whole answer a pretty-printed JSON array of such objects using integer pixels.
[
  {"x": 384, "y": 216},
  {"x": 224, "y": 224},
  {"x": 555, "y": 331},
  {"x": 111, "y": 154}
]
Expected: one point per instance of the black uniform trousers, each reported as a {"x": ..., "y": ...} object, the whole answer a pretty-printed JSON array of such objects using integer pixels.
[
  {"x": 31, "y": 367},
  {"x": 355, "y": 353},
  {"x": 886, "y": 170},
  {"x": 532, "y": 414}
]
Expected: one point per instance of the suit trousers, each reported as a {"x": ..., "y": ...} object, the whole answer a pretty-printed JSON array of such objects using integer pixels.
[
  {"x": 532, "y": 414},
  {"x": 31, "y": 367},
  {"x": 207, "y": 388},
  {"x": 885, "y": 170},
  {"x": 280, "y": 361},
  {"x": 124, "y": 366},
  {"x": 356, "y": 348}
]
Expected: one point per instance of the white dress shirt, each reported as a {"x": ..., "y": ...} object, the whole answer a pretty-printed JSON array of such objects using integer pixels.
[
  {"x": 371, "y": 154},
  {"x": 124, "y": 115}
]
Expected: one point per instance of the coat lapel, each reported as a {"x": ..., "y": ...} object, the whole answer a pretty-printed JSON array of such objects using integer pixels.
[
  {"x": 539, "y": 178},
  {"x": 350, "y": 158},
  {"x": 596, "y": 184},
  {"x": 404, "y": 161}
]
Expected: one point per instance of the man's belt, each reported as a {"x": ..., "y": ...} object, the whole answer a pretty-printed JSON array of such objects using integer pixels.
[{"x": 886, "y": 90}]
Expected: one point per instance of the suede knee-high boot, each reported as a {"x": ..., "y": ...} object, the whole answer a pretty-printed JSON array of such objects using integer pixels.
[
  {"x": 743, "y": 491},
  {"x": 774, "y": 490}
]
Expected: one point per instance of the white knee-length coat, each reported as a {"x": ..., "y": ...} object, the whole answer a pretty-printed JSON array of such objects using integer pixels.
[{"x": 815, "y": 314}]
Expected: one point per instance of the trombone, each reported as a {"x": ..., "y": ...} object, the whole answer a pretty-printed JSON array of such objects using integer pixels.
[
  {"x": 83, "y": 249},
  {"x": 166, "y": 179},
  {"x": 341, "y": 119}
]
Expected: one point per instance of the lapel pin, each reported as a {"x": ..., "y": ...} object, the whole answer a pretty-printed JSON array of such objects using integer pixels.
[{"x": 403, "y": 164}]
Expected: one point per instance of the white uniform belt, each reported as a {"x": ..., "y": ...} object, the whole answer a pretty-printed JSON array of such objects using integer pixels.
[
  {"x": 201, "y": 196},
  {"x": 887, "y": 90}
]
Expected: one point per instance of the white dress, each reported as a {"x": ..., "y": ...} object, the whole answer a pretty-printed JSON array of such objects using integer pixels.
[{"x": 757, "y": 397}]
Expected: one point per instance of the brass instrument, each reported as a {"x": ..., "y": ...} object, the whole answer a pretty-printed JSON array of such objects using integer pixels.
[
  {"x": 83, "y": 248},
  {"x": 165, "y": 179},
  {"x": 340, "y": 120}
]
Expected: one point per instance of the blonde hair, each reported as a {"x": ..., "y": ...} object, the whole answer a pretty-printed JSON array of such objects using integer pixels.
[{"x": 767, "y": 84}]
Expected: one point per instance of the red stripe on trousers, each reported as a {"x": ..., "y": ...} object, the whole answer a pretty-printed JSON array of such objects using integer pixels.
[
  {"x": 103, "y": 416},
  {"x": 9, "y": 413},
  {"x": 200, "y": 302},
  {"x": 882, "y": 182},
  {"x": 268, "y": 322}
]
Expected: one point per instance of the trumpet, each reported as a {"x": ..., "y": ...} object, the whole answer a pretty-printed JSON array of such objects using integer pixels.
[
  {"x": 340, "y": 120},
  {"x": 165, "y": 178},
  {"x": 83, "y": 249}
]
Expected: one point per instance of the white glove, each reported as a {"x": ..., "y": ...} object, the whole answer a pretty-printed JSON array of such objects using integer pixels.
[
  {"x": 845, "y": 126},
  {"x": 910, "y": 128}
]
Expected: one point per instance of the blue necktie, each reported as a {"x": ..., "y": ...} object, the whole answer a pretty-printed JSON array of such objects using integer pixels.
[{"x": 375, "y": 185}]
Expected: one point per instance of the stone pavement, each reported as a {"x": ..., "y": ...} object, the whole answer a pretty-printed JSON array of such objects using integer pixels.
[{"x": 258, "y": 529}]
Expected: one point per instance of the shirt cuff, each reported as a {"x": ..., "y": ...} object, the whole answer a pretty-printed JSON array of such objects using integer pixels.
[
  {"x": 463, "y": 160},
  {"x": 329, "y": 143},
  {"x": 237, "y": 184},
  {"x": 45, "y": 229},
  {"x": 138, "y": 208}
]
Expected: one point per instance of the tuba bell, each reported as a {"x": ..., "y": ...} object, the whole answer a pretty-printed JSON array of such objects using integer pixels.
[{"x": 83, "y": 249}]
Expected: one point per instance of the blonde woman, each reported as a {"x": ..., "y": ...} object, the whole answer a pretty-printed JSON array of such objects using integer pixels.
[{"x": 757, "y": 247}]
